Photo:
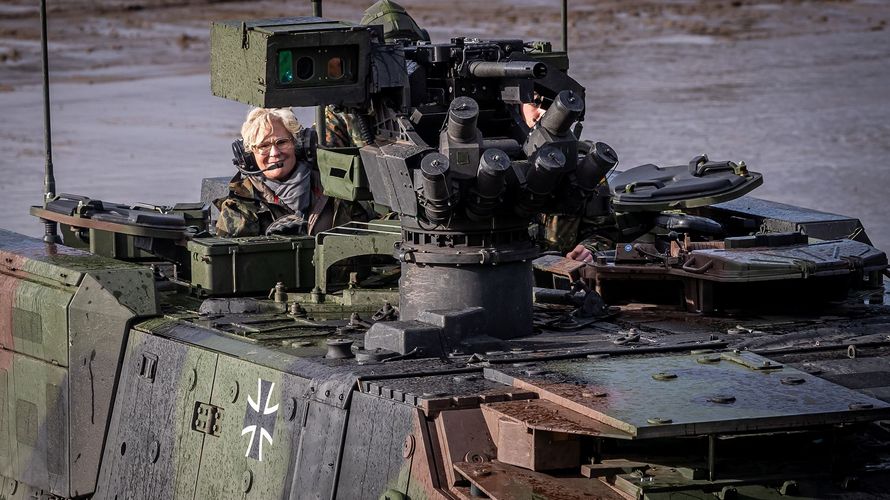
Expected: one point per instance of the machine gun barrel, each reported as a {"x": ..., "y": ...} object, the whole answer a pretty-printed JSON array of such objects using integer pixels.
[{"x": 507, "y": 69}]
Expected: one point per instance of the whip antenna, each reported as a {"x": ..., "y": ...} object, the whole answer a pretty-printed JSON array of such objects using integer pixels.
[{"x": 49, "y": 181}]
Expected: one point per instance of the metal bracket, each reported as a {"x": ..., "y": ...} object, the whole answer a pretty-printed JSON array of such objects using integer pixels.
[
  {"x": 147, "y": 366},
  {"x": 750, "y": 361},
  {"x": 206, "y": 418}
]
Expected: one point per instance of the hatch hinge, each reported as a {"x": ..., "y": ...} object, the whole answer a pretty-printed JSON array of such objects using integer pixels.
[{"x": 207, "y": 418}]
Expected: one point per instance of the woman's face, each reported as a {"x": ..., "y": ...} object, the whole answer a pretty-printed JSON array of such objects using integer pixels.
[{"x": 274, "y": 152}]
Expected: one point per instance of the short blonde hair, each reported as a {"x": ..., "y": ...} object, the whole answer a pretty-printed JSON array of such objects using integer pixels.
[{"x": 260, "y": 119}]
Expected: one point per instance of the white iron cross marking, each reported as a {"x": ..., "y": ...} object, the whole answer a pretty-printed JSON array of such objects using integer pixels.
[{"x": 262, "y": 419}]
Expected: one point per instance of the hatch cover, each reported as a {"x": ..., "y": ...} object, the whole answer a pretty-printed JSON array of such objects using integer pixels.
[
  {"x": 650, "y": 188},
  {"x": 694, "y": 394}
]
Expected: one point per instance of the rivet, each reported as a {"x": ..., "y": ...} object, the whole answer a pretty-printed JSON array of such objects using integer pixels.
[
  {"x": 291, "y": 408},
  {"x": 233, "y": 391},
  {"x": 246, "y": 481},
  {"x": 408, "y": 446}
]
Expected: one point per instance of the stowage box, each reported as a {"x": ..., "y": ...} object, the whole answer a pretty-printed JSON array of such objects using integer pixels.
[
  {"x": 342, "y": 175},
  {"x": 224, "y": 266}
]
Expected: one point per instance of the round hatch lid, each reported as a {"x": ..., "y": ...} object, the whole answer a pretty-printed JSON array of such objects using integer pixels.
[{"x": 650, "y": 188}]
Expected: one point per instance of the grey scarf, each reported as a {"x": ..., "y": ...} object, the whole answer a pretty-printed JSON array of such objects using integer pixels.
[{"x": 296, "y": 190}]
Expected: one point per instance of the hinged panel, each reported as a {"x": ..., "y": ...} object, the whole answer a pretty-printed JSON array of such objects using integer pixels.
[
  {"x": 254, "y": 423},
  {"x": 696, "y": 395},
  {"x": 207, "y": 419},
  {"x": 379, "y": 446},
  {"x": 321, "y": 443},
  {"x": 40, "y": 321},
  {"x": 151, "y": 446},
  {"x": 37, "y": 398}
]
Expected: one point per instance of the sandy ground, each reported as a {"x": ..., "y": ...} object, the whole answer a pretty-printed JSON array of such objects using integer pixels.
[{"x": 796, "y": 89}]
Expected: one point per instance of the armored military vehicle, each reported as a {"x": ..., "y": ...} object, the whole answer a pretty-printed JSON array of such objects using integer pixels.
[{"x": 724, "y": 346}]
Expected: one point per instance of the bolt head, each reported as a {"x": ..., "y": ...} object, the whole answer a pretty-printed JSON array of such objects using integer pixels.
[
  {"x": 246, "y": 481},
  {"x": 408, "y": 446}
]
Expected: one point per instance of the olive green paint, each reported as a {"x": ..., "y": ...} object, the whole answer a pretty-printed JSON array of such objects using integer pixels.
[
  {"x": 151, "y": 448},
  {"x": 244, "y": 62},
  {"x": 67, "y": 307},
  {"x": 342, "y": 174},
  {"x": 37, "y": 413},
  {"x": 222, "y": 266},
  {"x": 352, "y": 240},
  {"x": 99, "y": 317},
  {"x": 224, "y": 463},
  {"x": 40, "y": 322}
]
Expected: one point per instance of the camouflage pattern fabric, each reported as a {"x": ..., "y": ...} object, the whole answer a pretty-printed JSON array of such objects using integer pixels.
[
  {"x": 596, "y": 227},
  {"x": 289, "y": 224},
  {"x": 562, "y": 232},
  {"x": 341, "y": 129},
  {"x": 397, "y": 23},
  {"x": 251, "y": 208},
  {"x": 248, "y": 210}
]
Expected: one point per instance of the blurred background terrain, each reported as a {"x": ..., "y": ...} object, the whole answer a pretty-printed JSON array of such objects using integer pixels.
[{"x": 799, "y": 90}]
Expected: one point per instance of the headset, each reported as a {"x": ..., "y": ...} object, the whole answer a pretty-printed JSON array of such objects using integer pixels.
[{"x": 305, "y": 147}]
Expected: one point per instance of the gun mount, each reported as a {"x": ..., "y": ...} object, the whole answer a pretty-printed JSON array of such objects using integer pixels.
[{"x": 447, "y": 154}]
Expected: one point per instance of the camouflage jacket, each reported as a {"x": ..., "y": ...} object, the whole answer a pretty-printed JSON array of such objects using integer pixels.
[
  {"x": 562, "y": 232},
  {"x": 341, "y": 129},
  {"x": 596, "y": 228},
  {"x": 251, "y": 207}
]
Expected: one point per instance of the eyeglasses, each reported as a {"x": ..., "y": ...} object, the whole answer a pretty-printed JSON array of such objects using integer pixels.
[{"x": 265, "y": 147}]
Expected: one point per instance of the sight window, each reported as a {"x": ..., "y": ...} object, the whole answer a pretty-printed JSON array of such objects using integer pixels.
[
  {"x": 305, "y": 68},
  {"x": 285, "y": 67},
  {"x": 335, "y": 68}
]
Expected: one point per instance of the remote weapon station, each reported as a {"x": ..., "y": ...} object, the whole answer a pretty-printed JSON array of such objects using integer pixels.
[{"x": 723, "y": 346}]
